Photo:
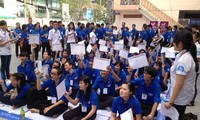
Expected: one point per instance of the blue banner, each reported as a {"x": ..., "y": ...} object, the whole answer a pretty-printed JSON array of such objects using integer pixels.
[{"x": 10, "y": 116}]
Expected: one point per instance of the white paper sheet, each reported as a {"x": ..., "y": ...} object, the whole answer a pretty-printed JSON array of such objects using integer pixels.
[
  {"x": 120, "y": 42},
  {"x": 97, "y": 54},
  {"x": 172, "y": 112},
  {"x": 138, "y": 61},
  {"x": 77, "y": 49},
  {"x": 169, "y": 54},
  {"x": 61, "y": 89},
  {"x": 81, "y": 42},
  {"x": 118, "y": 46},
  {"x": 57, "y": 47},
  {"x": 89, "y": 48},
  {"x": 34, "y": 39},
  {"x": 39, "y": 65},
  {"x": 123, "y": 54},
  {"x": 103, "y": 48},
  {"x": 127, "y": 115},
  {"x": 101, "y": 63},
  {"x": 102, "y": 42},
  {"x": 140, "y": 46},
  {"x": 115, "y": 32},
  {"x": 134, "y": 50},
  {"x": 45, "y": 69}
]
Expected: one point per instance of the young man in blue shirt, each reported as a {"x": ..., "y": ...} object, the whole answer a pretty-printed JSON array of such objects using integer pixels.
[
  {"x": 54, "y": 106},
  {"x": 27, "y": 67},
  {"x": 30, "y": 25}
]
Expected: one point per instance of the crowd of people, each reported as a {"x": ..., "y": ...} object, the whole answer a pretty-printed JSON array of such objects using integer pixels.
[{"x": 119, "y": 88}]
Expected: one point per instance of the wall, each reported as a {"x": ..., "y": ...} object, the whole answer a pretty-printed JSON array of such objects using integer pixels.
[
  {"x": 172, "y": 7},
  {"x": 129, "y": 21}
]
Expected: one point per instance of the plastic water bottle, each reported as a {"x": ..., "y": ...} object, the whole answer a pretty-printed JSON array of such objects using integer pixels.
[{"x": 22, "y": 114}]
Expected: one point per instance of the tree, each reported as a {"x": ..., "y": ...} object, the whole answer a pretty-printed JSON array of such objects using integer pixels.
[{"x": 76, "y": 7}]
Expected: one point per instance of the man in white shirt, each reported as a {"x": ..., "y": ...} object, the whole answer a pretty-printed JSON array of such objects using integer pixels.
[
  {"x": 55, "y": 39},
  {"x": 93, "y": 37}
]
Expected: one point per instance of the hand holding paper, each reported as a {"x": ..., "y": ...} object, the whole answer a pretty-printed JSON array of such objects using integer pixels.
[
  {"x": 61, "y": 89},
  {"x": 101, "y": 63},
  {"x": 138, "y": 61}
]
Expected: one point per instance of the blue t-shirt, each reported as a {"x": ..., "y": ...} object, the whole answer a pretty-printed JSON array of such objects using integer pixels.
[
  {"x": 92, "y": 73},
  {"x": 25, "y": 36},
  {"x": 23, "y": 91},
  {"x": 30, "y": 27},
  {"x": 28, "y": 70},
  {"x": 147, "y": 94},
  {"x": 106, "y": 87},
  {"x": 44, "y": 38},
  {"x": 143, "y": 35},
  {"x": 119, "y": 106},
  {"x": 93, "y": 100}
]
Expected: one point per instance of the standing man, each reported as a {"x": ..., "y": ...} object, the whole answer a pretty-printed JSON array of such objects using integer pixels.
[
  {"x": 55, "y": 38},
  {"x": 30, "y": 25}
]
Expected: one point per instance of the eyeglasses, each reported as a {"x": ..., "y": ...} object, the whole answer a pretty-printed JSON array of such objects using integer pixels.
[{"x": 53, "y": 74}]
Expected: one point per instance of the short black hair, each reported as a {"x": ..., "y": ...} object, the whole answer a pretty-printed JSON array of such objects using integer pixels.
[
  {"x": 3, "y": 23},
  {"x": 24, "y": 26},
  {"x": 151, "y": 71},
  {"x": 120, "y": 64},
  {"x": 59, "y": 70},
  {"x": 55, "y": 21},
  {"x": 23, "y": 54}
]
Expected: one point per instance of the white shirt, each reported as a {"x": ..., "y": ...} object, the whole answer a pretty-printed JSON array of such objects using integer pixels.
[
  {"x": 55, "y": 36},
  {"x": 93, "y": 37},
  {"x": 6, "y": 49},
  {"x": 72, "y": 35},
  {"x": 184, "y": 65}
]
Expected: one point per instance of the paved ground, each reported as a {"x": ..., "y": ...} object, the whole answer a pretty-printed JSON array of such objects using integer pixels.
[{"x": 194, "y": 109}]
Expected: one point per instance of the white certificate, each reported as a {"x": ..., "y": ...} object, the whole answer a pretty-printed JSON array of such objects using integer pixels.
[
  {"x": 118, "y": 46},
  {"x": 57, "y": 47},
  {"x": 89, "y": 48},
  {"x": 119, "y": 42},
  {"x": 45, "y": 69},
  {"x": 123, "y": 54},
  {"x": 102, "y": 42},
  {"x": 103, "y": 48},
  {"x": 115, "y": 32},
  {"x": 100, "y": 63},
  {"x": 127, "y": 115},
  {"x": 169, "y": 54},
  {"x": 134, "y": 50},
  {"x": 34, "y": 39},
  {"x": 164, "y": 49},
  {"x": 77, "y": 49},
  {"x": 172, "y": 112},
  {"x": 81, "y": 42},
  {"x": 138, "y": 61},
  {"x": 61, "y": 89}
]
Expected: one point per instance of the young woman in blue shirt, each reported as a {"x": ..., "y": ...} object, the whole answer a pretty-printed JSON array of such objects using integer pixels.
[
  {"x": 88, "y": 99},
  {"x": 126, "y": 101}
]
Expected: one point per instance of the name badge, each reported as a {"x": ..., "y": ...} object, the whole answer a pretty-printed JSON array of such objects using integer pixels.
[
  {"x": 105, "y": 91},
  {"x": 98, "y": 91},
  {"x": 71, "y": 82},
  {"x": 83, "y": 108},
  {"x": 144, "y": 96},
  {"x": 53, "y": 100}
]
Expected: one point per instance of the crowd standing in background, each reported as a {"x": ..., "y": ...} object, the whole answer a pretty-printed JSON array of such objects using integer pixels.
[{"x": 118, "y": 88}]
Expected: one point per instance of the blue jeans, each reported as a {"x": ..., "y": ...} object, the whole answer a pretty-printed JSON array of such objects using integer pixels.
[{"x": 5, "y": 65}]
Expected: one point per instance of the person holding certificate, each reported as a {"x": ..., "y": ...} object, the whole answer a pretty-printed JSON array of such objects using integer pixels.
[
  {"x": 126, "y": 101},
  {"x": 88, "y": 99},
  {"x": 183, "y": 72},
  {"x": 39, "y": 103},
  {"x": 24, "y": 43}
]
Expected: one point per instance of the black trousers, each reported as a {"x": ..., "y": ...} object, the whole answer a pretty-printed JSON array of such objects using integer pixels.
[
  {"x": 15, "y": 102},
  {"x": 42, "y": 104},
  {"x": 105, "y": 101},
  {"x": 181, "y": 110},
  {"x": 17, "y": 46},
  {"x": 146, "y": 109},
  {"x": 26, "y": 48},
  {"x": 37, "y": 52},
  {"x": 5, "y": 65},
  {"x": 46, "y": 47},
  {"x": 77, "y": 114}
]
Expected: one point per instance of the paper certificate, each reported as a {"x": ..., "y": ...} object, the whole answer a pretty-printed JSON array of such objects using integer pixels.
[
  {"x": 120, "y": 42},
  {"x": 172, "y": 112},
  {"x": 140, "y": 46},
  {"x": 134, "y": 50},
  {"x": 77, "y": 49},
  {"x": 123, "y": 54},
  {"x": 100, "y": 63},
  {"x": 102, "y": 42},
  {"x": 127, "y": 115},
  {"x": 61, "y": 89},
  {"x": 118, "y": 46},
  {"x": 56, "y": 47},
  {"x": 103, "y": 48},
  {"x": 138, "y": 61},
  {"x": 34, "y": 39}
]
